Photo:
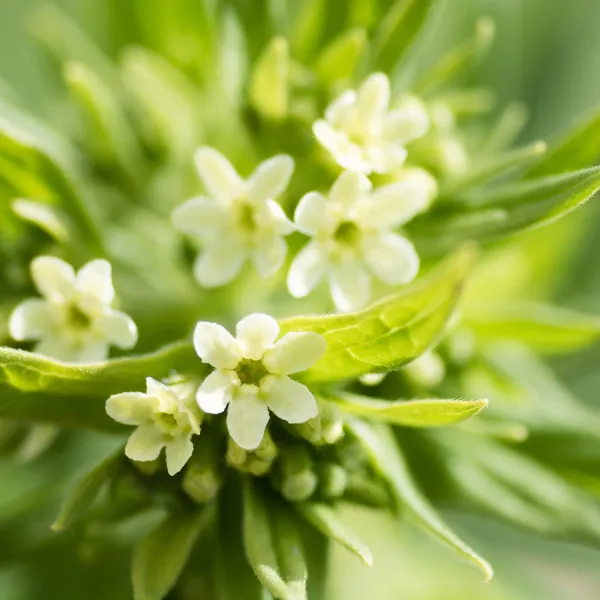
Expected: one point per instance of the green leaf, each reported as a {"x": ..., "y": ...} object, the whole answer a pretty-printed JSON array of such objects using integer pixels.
[
  {"x": 110, "y": 134},
  {"x": 261, "y": 545},
  {"x": 413, "y": 413},
  {"x": 269, "y": 87},
  {"x": 307, "y": 27},
  {"x": 388, "y": 461},
  {"x": 507, "y": 128},
  {"x": 30, "y": 171},
  {"x": 160, "y": 557},
  {"x": 579, "y": 148},
  {"x": 459, "y": 60},
  {"x": 389, "y": 333},
  {"x": 340, "y": 58},
  {"x": 81, "y": 498},
  {"x": 43, "y": 216},
  {"x": 504, "y": 210},
  {"x": 398, "y": 30},
  {"x": 542, "y": 327},
  {"x": 326, "y": 521}
]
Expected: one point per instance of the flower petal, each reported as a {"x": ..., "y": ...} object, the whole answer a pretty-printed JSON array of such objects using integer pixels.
[
  {"x": 131, "y": 408},
  {"x": 247, "y": 418},
  {"x": 407, "y": 123},
  {"x": 218, "y": 175},
  {"x": 350, "y": 286},
  {"x": 31, "y": 320},
  {"x": 269, "y": 254},
  {"x": 255, "y": 334},
  {"x": 117, "y": 328},
  {"x": 372, "y": 99},
  {"x": 307, "y": 269},
  {"x": 349, "y": 187},
  {"x": 91, "y": 351},
  {"x": 274, "y": 216},
  {"x": 392, "y": 258},
  {"x": 95, "y": 281},
  {"x": 295, "y": 352},
  {"x": 311, "y": 214},
  {"x": 385, "y": 157},
  {"x": 270, "y": 178},
  {"x": 216, "y": 346},
  {"x": 290, "y": 400},
  {"x": 201, "y": 216},
  {"x": 178, "y": 451},
  {"x": 58, "y": 348},
  {"x": 337, "y": 111},
  {"x": 220, "y": 262},
  {"x": 168, "y": 401},
  {"x": 214, "y": 393},
  {"x": 54, "y": 278},
  {"x": 145, "y": 443},
  {"x": 391, "y": 205}
]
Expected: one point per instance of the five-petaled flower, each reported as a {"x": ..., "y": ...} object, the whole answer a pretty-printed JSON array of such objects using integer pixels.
[
  {"x": 166, "y": 417},
  {"x": 74, "y": 321},
  {"x": 240, "y": 220},
  {"x": 351, "y": 231},
  {"x": 363, "y": 133},
  {"x": 251, "y": 375}
]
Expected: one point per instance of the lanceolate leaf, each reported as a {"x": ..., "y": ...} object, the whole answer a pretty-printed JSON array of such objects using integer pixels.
[
  {"x": 398, "y": 29},
  {"x": 541, "y": 327},
  {"x": 505, "y": 210},
  {"x": 388, "y": 461},
  {"x": 160, "y": 557},
  {"x": 389, "y": 333},
  {"x": 325, "y": 520},
  {"x": 413, "y": 413},
  {"x": 579, "y": 148}
]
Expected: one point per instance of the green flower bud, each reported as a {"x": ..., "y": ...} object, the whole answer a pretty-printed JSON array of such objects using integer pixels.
[
  {"x": 256, "y": 462},
  {"x": 332, "y": 480},
  {"x": 298, "y": 479}
]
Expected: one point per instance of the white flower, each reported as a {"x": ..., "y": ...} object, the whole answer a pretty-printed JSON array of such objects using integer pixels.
[
  {"x": 74, "y": 321},
  {"x": 363, "y": 134},
  {"x": 166, "y": 418},
  {"x": 251, "y": 375},
  {"x": 352, "y": 238},
  {"x": 427, "y": 370},
  {"x": 240, "y": 220}
]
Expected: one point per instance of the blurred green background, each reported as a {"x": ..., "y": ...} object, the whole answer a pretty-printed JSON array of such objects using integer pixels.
[{"x": 547, "y": 54}]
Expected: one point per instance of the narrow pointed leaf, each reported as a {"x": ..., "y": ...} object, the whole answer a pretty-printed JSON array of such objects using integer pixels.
[
  {"x": 43, "y": 216},
  {"x": 326, "y": 521},
  {"x": 506, "y": 129},
  {"x": 340, "y": 59},
  {"x": 160, "y": 557},
  {"x": 269, "y": 87},
  {"x": 81, "y": 498},
  {"x": 391, "y": 332},
  {"x": 413, "y": 413},
  {"x": 388, "y": 461}
]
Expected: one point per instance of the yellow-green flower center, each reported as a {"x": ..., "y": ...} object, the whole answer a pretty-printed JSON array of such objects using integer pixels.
[
  {"x": 77, "y": 319},
  {"x": 251, "y": 371},
  {"x": 347, "y": 233}
]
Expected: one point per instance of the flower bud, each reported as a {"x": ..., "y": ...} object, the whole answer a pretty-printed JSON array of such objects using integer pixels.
[
  {"x": 332, "y": 480},
  {"x": 256, "y": 462},
  {"x": 298, "y": 479}
]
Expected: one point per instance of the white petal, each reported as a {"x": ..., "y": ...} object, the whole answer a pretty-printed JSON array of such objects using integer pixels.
[
  {"x": 295, "y": 352},
  {"x": 31, "y": 320},
  {"x": 385, "y": 158},
  {"x": 392, "y": 258},
  {"x": 306, "y": 271},
  {"x": 350, "y": 286},
  {"x": 178, "y": 451},
  {"x": 214, "y": 393},
  {"x": 218, "y": 175},
  {"x": 91, "y": 351},
  {"x": 326, "y": 135},
  {"x": 406, "y": 124},
  {"x": 247, "y": 418},
  {"x": 95, "y": 281},
  {"x": 220, "y": 262},
  {"x": 290, "y": 400},
  {"x": 391, "y": 205},
  {"x": 54, "y": 278},
  {"x": 204, "y": 217},
  {"x": 58, "y": 348},
  {"x": 274, "y": 216},
  {"x": 373, "y": 98},
  {"x": 337, "y": 111},
  {"x": 216, "y": 346},
  {"x": 269, "y": 254},
  {"x": 255, "y": 334},
  {"x": 270, "y": 178},
  {"x": 131, "y": 408},
  {"x": 167, "y": 399},
  {"x": 349, "y": 187},
  {"x": 117, "y": 328},
  {"x": 311, "y": 214},
  {"x": 145, "y": 443}
]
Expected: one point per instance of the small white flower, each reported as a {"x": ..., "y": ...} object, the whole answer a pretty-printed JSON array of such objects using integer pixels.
[
  {"x": 166, "y": 417},
  {"x": 74, "y": 320},
  {"x": 363, "y": 134},
  {"x": 352, "y": 238},
  {"x": 240, "y": 220},
  {"x": 251, "y": 375}
]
